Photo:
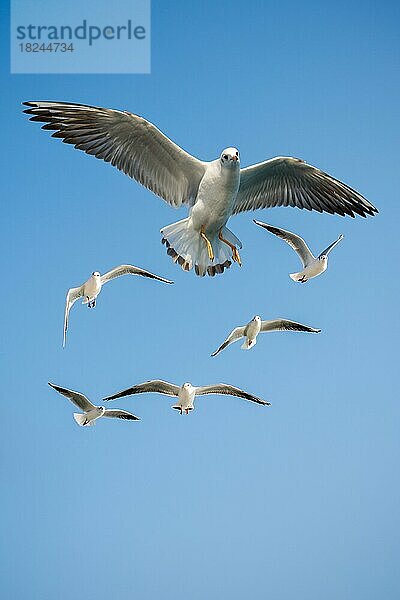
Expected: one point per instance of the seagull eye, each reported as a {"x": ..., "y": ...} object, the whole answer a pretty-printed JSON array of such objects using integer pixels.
[{"x": 225, "y": 157}]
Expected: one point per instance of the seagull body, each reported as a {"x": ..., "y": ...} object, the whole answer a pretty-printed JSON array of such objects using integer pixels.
[
  {"x": 92, "y": 288},
  {"x": 91, "y": 412},
  {"x": 213, "y": 191},
  {"x": 186, "y": 393},
  {"x": 313, "y": 265},
  {"x": 256, "y": 326}
]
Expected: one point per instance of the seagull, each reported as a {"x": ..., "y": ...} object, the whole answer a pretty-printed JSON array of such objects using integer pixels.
[
  {"x": 256, "y": 326},
  {"x": 313, "y": 266},
  {"x": 91, "y": 412},
  {"x": 213, "y": 190},
  {"x": 92, "y": 288},
  {"x": 186, "y": 393}
]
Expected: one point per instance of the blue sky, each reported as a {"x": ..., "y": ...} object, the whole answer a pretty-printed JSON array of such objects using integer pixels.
[{"x": 296, "y": 500}]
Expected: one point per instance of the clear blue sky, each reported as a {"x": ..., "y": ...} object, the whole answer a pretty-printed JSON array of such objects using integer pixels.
[{"x": 235, "y": 501}]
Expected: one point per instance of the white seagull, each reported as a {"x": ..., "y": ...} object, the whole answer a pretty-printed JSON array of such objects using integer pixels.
[
  {"x": 212, "y": 190},
  {"x": 91, "y": 412},
  {"x": 256, "y": 326},
  {"x": 313, "y": 265},
  {"x": 186, "y": 393},
  {"x": 92, "y": 288}
]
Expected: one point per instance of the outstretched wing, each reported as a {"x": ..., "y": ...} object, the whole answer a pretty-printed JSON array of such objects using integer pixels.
[
  {"x": 286, "y": 181},
  {"x": 127, "y": 141},
  {"x": 331, "y": 246},
  {"x": 120, "y": 414},
  {"x": 235, "y": 335},
  {"x": 285, "y": 325},
  {"x": 229, "y": 390},
  {"x": 294, "y": 241},
  {"x": 72, "y": 296},
  {"x": 155, "y": 385},
  {"x": 76, "y": 397},
  {"x": 130, "y": 270}
]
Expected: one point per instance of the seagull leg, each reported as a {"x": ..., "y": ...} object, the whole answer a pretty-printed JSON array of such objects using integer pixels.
[
  {"x": 235, "y": 252},
  {"x": 187, "y": 411},
  {"x": 207, "y": 241}
]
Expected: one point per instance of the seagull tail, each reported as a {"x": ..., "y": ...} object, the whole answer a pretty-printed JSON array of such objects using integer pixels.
[
  {"x": 247, "y": 344},
  {"x": 81, "y": 419},
  {"x": 296, "y": 276},
  {"x": 187, "y": 248}
]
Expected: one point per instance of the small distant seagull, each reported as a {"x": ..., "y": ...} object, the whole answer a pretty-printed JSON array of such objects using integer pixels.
[
  {"x": 186, "y": 393},
  {"x": 256, "y": 326},
  {"x": 91, "y": 412},
  {"x": 92, "y": 288},
  {"x": 313, "y": 266}
]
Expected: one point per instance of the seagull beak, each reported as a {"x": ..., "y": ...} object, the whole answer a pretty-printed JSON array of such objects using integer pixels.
[{"x": 234, "y": 158}]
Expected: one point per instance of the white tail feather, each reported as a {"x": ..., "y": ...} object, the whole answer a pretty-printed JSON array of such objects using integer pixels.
[
  {"x": 247, "y": 344},
  {"x": 187, "y": 248},
  {"x": 296, "y": 276},
  {"x": 81, "y": 420}
]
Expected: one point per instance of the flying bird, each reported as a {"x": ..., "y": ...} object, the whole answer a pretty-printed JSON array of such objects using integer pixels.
[
  {"x": 256, "y": 326},
  {"x": 91, "y": 412},
  {"x": 92, "y": 288},
  {"x": 213, "y": 190},
  {"x": 186, "y": 393},
  {"x": 313, "y": 265}
]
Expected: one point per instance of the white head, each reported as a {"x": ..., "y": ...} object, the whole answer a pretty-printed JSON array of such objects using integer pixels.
[
  {"x": 95, "y": 274},
  {"x": 257, "y": 319},
  {"x": 323, "y": 258},
  {"x": 230, "y": 157},
  {"x": 187, "y": 386}
]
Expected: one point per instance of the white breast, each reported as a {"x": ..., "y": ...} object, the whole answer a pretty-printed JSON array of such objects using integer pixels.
[{"x": 216, "y": 196}]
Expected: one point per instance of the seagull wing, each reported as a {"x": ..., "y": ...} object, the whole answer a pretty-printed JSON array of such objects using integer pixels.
[
  {"x": 130, "y": 270},
  {"x": 127, "y": 141},
  {"x": 235, "y": 335},
  {"x": 294, "y": 241},
  {"x": 229, "y": 390},
  {"x": 76, "y": 397},
  {"x": 286, "y": 181},
  {"x": 120, "y": 414},
  {"x": 285, "y": 325},
  {"x": 331, "y": 246},
  {"x": 155, "y": 385},
  {"x": 72, "y": 296}
]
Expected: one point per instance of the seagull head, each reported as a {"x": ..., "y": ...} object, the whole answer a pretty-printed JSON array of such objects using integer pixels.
[
  {"x": 323, "y": 258},
  {"x": 187, "y": 386},
  {"x": 96, "y": 274},
  {"x": 257, "y": 319},
  {"x": 230, "y": 157}
]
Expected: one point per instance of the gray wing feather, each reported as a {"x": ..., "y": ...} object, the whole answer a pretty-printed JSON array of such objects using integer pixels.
[
  {"x": 72, "y": 296},
  {"x": 127, "y": 141},
  {"x": 235, "y": 335},
  {"x": 155, "y": 385},
  {"x": 294, "y": 241},
  {"x": 130, "y": 270},
  {"x": 331, "y": 246},
  {"x": 229, "y": 390},
  {"x": 285, "y": 325},
  {"x": 287, "y": 181},
  {"x": 120, "y": 414},
  {"x": 76, "y": 397}
]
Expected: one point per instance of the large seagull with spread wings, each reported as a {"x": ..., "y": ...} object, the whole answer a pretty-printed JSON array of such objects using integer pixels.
[{"x": 212, "y": 190}]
